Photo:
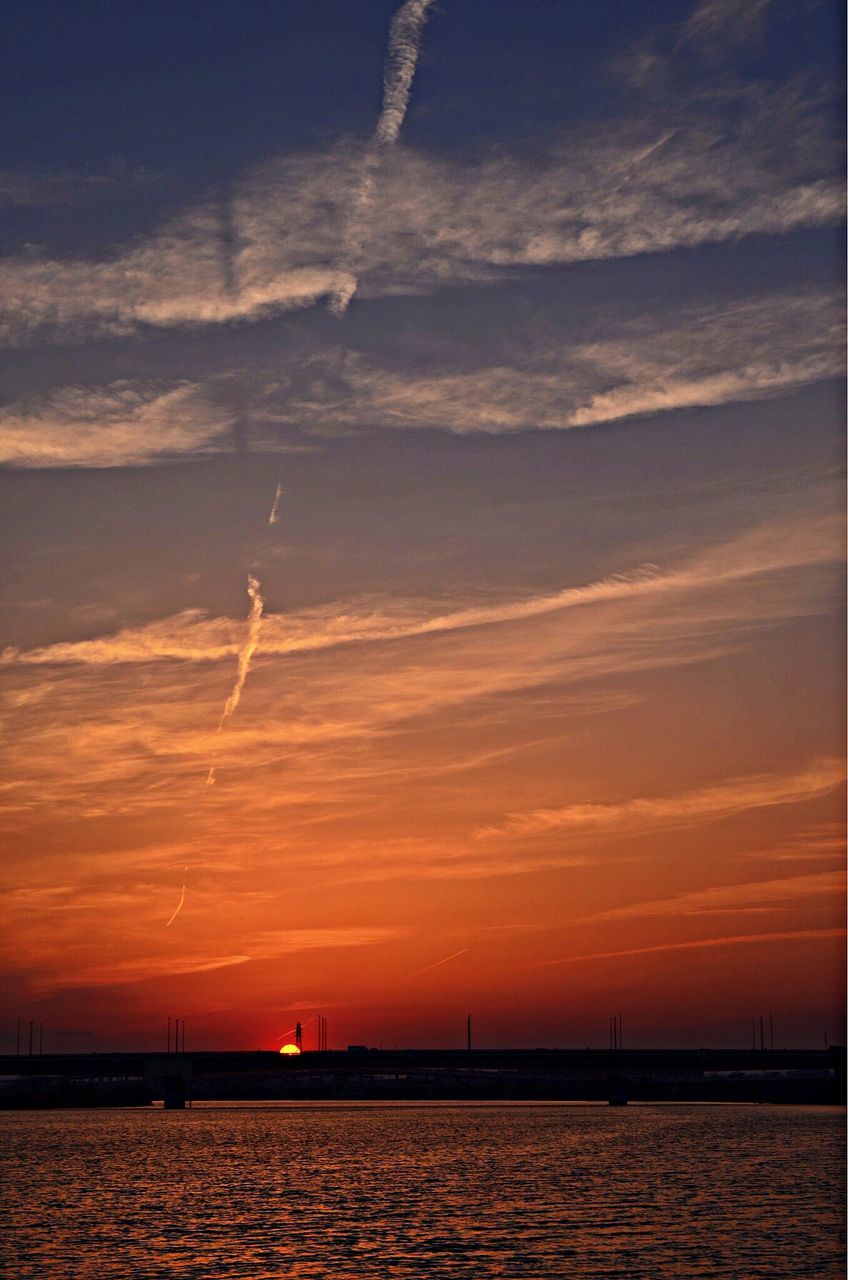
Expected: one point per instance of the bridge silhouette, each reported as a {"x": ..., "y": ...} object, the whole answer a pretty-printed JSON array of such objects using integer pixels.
[{"x": 612, "y": 1075}]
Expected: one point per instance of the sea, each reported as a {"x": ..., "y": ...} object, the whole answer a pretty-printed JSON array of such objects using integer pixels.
[{"x": 422, "y": 1191}]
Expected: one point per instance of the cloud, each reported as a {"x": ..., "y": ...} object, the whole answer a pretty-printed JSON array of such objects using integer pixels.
[
  {"x": 351, "y": 774},
  {"x": 707, "y": 804},
  {"x": 774, "y": 547},
  {"x": 724, "y": 20},
  {"x": 120, "y": 424},
  {"x": 119, "y": 739},
  {"x": 824, "y": 842},
  {"x": 714, "y": 356},
  {"x": 89, "y": 971},
  {"x": 179, "y": 277},
  {"x": 650, "y": 183},
  {"x": 647, "y": 364},
  {"x": 189, "y": 637},
  {"x": 749, "y": 897},
  {"x": 682, "y": 57}
]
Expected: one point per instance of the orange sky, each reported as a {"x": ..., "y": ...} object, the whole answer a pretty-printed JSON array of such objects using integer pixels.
[{"x": 608, "y": 795}]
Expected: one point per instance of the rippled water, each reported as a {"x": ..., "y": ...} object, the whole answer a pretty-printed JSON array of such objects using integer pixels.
[{"x": 439, "y": 1191}]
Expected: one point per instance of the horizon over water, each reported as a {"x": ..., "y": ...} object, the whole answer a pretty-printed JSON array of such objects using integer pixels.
[{"x": 531, "y": 1191}]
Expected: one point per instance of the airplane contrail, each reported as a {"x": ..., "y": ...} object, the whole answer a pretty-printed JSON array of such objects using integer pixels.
[
  {"x": 181, "y": 901},
  {"x": 428, "y": 967},
  {"x": 399, "y": 70},
  {"x": 733, "y": 940},
  {"x": 401, "y": 61},
  {"x": 274, "y": 517},
  {"x": 292, "y": 1030},
  {"x": 254, "y": 623},
  {"x": 655, "y": 146}
]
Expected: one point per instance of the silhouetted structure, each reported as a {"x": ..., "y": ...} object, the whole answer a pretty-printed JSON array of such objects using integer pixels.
[{"x": 617, "y": 1075}]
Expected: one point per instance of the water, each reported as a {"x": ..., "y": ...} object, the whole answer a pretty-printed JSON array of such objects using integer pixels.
[{"x": 423, "y": 1192}]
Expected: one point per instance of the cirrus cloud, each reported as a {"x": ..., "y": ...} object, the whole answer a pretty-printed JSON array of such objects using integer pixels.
[
  {"x": 649, "y": 184},
  {"x": 120, "y": 424}
]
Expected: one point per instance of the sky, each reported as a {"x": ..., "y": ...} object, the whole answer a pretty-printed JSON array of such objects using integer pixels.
[{"x": 421, "y": 479}]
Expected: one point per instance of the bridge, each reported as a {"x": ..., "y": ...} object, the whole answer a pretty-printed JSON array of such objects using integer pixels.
[{"x": 616, "y": 1076}]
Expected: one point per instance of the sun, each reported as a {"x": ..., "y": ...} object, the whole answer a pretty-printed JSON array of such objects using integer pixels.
[{"x": 289, "y": 1048}]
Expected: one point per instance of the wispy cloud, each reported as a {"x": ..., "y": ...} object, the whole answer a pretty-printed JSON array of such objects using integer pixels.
[
  {"x": 189, "y": 636},
  {"x": 641, "y": 365},
  {"x": 736, "y": 898},
  {"x": 646, "y": 364},
  {"x": 686, "y": 54},
  {"x": 723, "y": 19},
  {"x": 177, "y": 278},
  {"x": 648, "y": 184},
  {"x": 824, "y": 842},
  {"x": 120, "y": 424},
  {"x": 313, "y": 769},
  {"x": 145, "y": 966},
  {"x": 707, "y": 804}
]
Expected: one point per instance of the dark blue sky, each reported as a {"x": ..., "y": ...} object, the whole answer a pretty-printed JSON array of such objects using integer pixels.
[{"x": 196, "y": 91}]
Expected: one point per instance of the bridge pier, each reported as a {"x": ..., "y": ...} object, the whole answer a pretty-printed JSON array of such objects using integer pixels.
[
  {"x": 173, "y": 1072},
  {"x": 619, "y": 1091},
  {"x": 174, "y": 1093}
]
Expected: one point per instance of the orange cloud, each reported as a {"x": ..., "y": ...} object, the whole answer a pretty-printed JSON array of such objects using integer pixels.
[{"x": 706, "y": 804}]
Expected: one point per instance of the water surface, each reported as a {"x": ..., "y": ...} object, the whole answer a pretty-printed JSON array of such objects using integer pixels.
[{"x": 422, "y": 1192}]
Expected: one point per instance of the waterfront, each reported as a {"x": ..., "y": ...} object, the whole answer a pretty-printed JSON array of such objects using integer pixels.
[{"x": 531, "y": 1192}]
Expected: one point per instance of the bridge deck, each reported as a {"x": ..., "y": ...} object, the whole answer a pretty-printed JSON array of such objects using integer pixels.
[{"x": 560, "y": 1062}]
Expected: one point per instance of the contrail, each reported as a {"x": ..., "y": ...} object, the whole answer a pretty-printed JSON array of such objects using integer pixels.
[
  {"x": 274, "y": 517},
  {"x": 292, "y": 1030},
  {"x": 181, "y": 901},
  {"x": 254, "y": 622},
  {"x": 428, "y": 967},
  {"x": 734, "y": 940},
  {"x": 398, "y": 72},
  {"x": 655, "y": 146},
  {"x": 401, "y": 61}
]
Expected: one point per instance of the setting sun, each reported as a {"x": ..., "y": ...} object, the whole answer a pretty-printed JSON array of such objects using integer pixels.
[{"x": 290, "y": 1049}]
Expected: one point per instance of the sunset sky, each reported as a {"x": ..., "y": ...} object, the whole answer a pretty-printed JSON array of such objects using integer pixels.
[{"x": 523, "y": 320}]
